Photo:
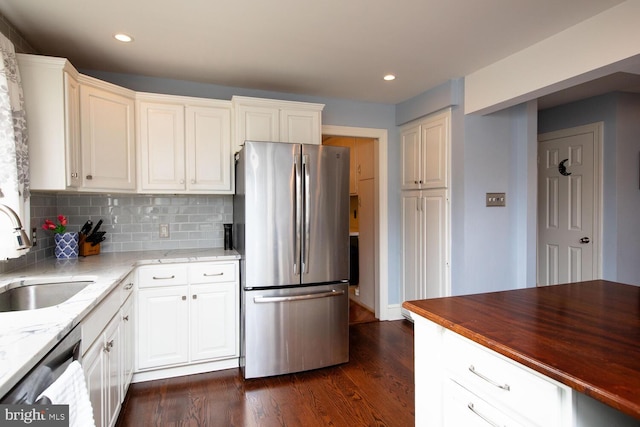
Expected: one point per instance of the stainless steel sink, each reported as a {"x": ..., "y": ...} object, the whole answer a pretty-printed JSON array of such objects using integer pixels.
[{"x": 32, "y": 294}]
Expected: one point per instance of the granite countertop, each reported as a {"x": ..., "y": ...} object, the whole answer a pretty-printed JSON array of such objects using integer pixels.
[
  {"x": 26, "y": 336},
  {"x": 585, "y": 335}
]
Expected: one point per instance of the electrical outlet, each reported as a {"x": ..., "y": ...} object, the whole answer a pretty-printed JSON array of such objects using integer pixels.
[
  {"x": 496, "y": 199},
  {"x": 164, "y": 231},
  {"x": 34, "y": 240}
]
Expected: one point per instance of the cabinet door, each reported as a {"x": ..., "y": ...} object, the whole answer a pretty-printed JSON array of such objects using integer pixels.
[
  {"x": 258, "y": 124},
  {"x": 126, "y": 336},
  {"x": 162, "y": 146},
  {"x": 410, "y": 156},
  {"x": 411, "y": 245},
  {"x": 93, "y": 366},
  {"x": 366, "y": 243},
  {"x": 214, "y": 319},
  {"x": 434, "y": 244},
  {"x": 300, "y": 126},
  {"x": 107, "y": 131},
  {"x": 72, "y": 130},
  {"x": 162, "y": 337},
  {"x": 434, "y": 143},
  {"x": 208, "y": 144},
  {"x": 112, "y": 370},
  {"x": 365, "y": 157}
]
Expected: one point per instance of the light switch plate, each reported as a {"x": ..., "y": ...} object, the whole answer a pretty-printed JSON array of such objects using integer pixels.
[
  {"x": 496, "y": 199},
  {"x": 164, "y": 231}
]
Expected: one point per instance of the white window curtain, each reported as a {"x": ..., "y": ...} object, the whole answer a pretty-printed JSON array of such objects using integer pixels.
[{"x": 14, "y": 153}]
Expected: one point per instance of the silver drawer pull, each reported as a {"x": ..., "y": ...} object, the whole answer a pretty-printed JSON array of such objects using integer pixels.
[
  {"x": 164, "y": 278},
  {"x": 213, "y": 274},
  {"x": 489, "y": 380},
  {"x": 484, "y": 417},
  {"x": 129, "y": 286}
]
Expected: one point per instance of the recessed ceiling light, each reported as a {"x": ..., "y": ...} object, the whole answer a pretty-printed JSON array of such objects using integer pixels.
[
  {"x": 389, "y": 77},
  {"x": 125, "y": 38}
]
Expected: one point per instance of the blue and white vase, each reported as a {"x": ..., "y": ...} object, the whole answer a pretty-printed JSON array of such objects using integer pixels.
[{"x": 66, "y": 245}]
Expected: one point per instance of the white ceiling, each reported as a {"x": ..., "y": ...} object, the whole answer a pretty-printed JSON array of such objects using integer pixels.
[{"x": 328, "y": 48}]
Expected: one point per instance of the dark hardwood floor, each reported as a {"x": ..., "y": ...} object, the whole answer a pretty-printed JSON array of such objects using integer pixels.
[{"x": 375, "y": 388}]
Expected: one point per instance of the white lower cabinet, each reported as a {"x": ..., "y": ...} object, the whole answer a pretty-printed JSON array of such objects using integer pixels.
[
  {"x": 162, "y": 325},
  {"x": 425, "y": 253},
  {"x": 188, "y": 319},
  {"x": 461, "y": 383},
  {"x": 458, "y": 382},
  {"x": 108, "y": 354}
]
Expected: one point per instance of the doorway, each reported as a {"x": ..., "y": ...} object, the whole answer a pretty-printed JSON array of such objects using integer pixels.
[
  {"x": 378, "y": 190},
  {"x": 362, "y": 183},
  {"x": 569, "y": 205}
]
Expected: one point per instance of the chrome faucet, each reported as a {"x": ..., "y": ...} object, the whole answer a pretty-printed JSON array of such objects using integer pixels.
[{"x": 21, "y": 243}]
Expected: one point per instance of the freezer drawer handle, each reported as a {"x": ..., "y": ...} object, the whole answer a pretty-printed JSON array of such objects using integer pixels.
[{"x": 260, "y": 300}]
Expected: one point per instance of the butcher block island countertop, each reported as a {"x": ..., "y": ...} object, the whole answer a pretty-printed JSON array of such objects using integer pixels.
[{"x": 585, "y": 335}]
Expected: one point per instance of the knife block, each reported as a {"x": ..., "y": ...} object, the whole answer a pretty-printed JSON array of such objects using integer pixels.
[{"x": 86, "y": 249}]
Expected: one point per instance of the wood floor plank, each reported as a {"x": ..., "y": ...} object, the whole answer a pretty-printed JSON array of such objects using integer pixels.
[{"x": 375, "y": 388}]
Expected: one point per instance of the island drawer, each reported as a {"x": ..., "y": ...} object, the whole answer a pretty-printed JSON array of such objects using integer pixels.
[
  {"x": 504, "y": 383},
  {"x": 162, "y": 275},
  {"x": 212, "y": 272},
  {"x": 463, "y": 408}
]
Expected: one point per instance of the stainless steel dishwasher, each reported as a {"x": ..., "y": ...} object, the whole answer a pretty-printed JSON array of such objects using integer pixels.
[{"x": 48, "y": 369}]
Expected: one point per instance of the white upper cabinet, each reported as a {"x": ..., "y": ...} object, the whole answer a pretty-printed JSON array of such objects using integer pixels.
[
  {"x": 161, "y": 145},
  {"x": 184, "y": 144},
  {"x": 425, "y": 152},
  {"x": 107, "y": 135},
  {"x": 52, "y": 97},
  {"x": 208, "y": 144},
  {"x": 273, "y": 120}
]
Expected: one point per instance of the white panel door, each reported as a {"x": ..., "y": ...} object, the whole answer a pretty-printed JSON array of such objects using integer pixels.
[
  {"x": 434, "y": 245},
  {"x": 410, "y": 153},
  {"x": 258, "y": 124},
  {"x": 163, "y": 324},
  {"x": 108, "y": 143},
  {"x": 567, "y": 206},
  {"x": 161, "y": 140},
  {"x": 367, "y": 243},
  {"x": 208, "y": 143},
  {"x": 434, "y": 137},
  {"x": 411, "y": 244},
  {"x": 300, "y": 126},
  {"x": 213, "y": 321}
]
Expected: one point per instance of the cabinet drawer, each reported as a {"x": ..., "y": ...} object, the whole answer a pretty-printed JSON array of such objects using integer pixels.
[
  {"x": 211, "y": 272},
  {"x": 162, "y": 275},
  {"x": 502, "y": 382},
  {"x": 463, "y": 408},
  {"x": 96, "y": 321}
]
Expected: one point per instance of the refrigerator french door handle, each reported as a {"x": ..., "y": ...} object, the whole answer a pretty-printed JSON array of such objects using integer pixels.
[
  {"x": 317, "y": 295},
  {"x": 307, "y": 213},
  {"x": 298, "y": 214}
]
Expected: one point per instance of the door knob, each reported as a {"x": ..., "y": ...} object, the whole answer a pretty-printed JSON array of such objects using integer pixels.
[{"x": 584, "y": 240}]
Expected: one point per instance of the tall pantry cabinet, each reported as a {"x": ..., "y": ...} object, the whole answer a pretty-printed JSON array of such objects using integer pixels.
[{"x": 425, "y": 146}]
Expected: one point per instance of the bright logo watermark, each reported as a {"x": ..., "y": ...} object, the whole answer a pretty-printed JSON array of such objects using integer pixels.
[{"x": 34, "y": 415}]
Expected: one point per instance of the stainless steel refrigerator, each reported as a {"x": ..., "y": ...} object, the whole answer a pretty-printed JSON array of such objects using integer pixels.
[{"x": 291, "y": 228}]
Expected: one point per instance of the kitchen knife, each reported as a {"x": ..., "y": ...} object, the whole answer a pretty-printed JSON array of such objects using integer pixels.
[
  {"x": 96, "y": 228},
  {"x": 98, "y": 241},
  {"x": 86, "y": 227}
]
